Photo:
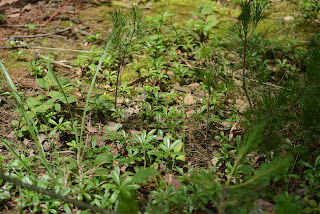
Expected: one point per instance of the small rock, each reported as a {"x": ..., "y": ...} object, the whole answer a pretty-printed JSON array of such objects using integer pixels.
[
  {"x": 10, "y": 135},
  {"x": 200, "y": 94},
  {"x": 135, "y": 132},
  {"x": 76, "y": 21},
  {"x": 194, "y": 86},
  {"x": 69, "y": 8},
  {"x": 27, "y": 8},
  {"x": 90, "y": 128},
  {"x": 231, "y": 56},
  {"x": 226, "y": 124},
  {"x": 288, "y": 18},
  {"x": 241, "y": 105},
  {"x": 265, "y": 205},
  {"x": 112, "y": 126},
  {"x": 16, "y": 15},
  {"x": 189, "y": 99},
  {"x": 128, "y": 112},
  {"x": 178, "y": 87},
  {"x": 148, "y": 6},
  {"x": 170, "y": 74},
  {"x": 46, "y": 146},
  {"x": 12, "y": 11},
  {"x": 64, "y": 17}
]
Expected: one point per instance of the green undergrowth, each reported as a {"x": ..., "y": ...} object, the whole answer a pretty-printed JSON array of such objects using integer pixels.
[{"x": 240, "y": 128}]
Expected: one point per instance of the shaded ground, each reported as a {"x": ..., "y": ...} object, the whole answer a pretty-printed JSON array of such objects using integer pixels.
[
  {"x": 78, "y": 16},
  {"x": 81, "y": 21}
]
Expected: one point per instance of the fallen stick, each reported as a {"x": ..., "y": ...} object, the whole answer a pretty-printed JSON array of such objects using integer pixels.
[
  {"x": 16, "y": 26},
  {"x": 55, "y": 13},
  {"x": 38, "y": 35}
]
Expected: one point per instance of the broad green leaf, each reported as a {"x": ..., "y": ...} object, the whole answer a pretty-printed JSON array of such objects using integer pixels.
[
  {"x": 62, "y": 81},
  {"x": 207, "y": 10},
  {"x": 116, "y": 177},
  {"x": 43, "y": 108},
  {"x": 317, "y": 161},
  {"x": 143, "y": 175},
  {"x": 178, "y": 148},
  {"x": 247, "y": 169},
  {"x": 312, "y": 203},
  {"x": 42, "y": 83},
  {"x": 32, "y": 102},
  {"x": 65, "y": 191},
  {"x": 211, "y": 18},
  {"x": 103, "y": 158}
]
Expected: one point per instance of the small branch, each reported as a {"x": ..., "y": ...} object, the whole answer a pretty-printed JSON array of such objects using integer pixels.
[
  {"x": 55, "y": 13},
  {"x": 38, "y": 35},
  {"x": 16, "y": 26}
]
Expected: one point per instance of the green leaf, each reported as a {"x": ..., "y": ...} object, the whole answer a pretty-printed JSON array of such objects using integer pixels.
[
  {"x": 114, "y": 196},
  {"x": 59, "y": 96},
  {"x": 143, "y": 175},
  {"x": 287, "y": 204},
  {"x": 62, "y": 81},
  {"x": 87, "y": 196},
  {"x": 35, "y": 199},
  {"x": 32, "y": 102},
  {"x": 307, "y": 210},
  {"x": 116, "y": 177},
  {"x": 42, "y": 83},
  {"x": 178, "y": 148},
  {"x": 43, "y": 108},
  {"x": 312, "y": 203},
  {"x": 317, "y": 161},
  {"x": 65, "y": 191},
  {"x": 306, "y": 164},
  {"x": 67, "y": 209},
  {"x": 247, "y": 169},
  {"x": 72, "y": 163},
  {"x": 103, "y": 158},
  {"x": 207, "y": 10}
]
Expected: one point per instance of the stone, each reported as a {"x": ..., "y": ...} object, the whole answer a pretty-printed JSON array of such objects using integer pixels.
[
  {"x": 28, "y": 7},
  {"x": 189, "y": 99},
  {"x": 241, "y": 105},
  {"x": 288, "y": 18},
  {"x": 112, "y": 125},
  {"x": 16, "y": 15},
  {"x": 178, "y": 87},
  {"x": 193, "y": 86}
]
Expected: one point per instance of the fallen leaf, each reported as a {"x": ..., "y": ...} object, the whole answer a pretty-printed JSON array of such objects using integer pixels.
[{"x": 90, "y": 128}]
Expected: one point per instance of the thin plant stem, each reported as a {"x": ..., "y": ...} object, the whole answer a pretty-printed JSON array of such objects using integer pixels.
[{"x": 244, "y": 86}]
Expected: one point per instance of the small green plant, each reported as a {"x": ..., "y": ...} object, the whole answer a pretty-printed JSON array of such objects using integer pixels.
[
  {"x": 144, "y": 144},
  {"x": 202, "y": 26},
  {"x": 252, "y": 13},
  {"x": 309, "y": 8},
  {"x": 122, "y": 187},
  {"x": 312, "y": 206},
  {"x": 169, "y": 152},
  {"x": 127, "y": 25},
  {"x": 287, "y": 203}
]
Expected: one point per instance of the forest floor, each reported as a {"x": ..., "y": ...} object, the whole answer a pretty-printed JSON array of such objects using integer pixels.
[{"x": 27, "y": 35}]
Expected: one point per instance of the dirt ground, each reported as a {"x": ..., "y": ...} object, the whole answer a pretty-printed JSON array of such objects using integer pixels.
[{"x": 77, "y": 23}]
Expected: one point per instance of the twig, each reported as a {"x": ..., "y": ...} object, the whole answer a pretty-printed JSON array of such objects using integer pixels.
[
  {"x": 132, "y": 82},
  {"x": 264, "y": 83},
  {"x": 56, "y": 62},
  {"x": 48, "y": 48},
  {"x": 14, "y": 26},
  {"x": 38, "y": 35},
  {"x": 187, "y": 63},
  {"x": 54, "y": 14}
]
